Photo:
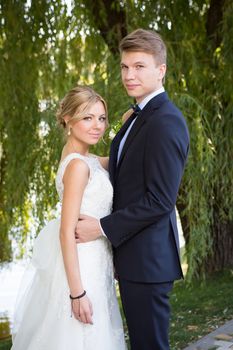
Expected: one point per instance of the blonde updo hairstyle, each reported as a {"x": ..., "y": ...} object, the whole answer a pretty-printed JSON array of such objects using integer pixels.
[{"x": 76, "y": 104}]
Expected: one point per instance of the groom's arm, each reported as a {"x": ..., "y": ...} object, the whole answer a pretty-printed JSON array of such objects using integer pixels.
[{"x": 165, "y": 156}]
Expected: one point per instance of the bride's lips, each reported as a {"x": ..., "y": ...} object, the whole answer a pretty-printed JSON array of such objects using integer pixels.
[{"x": 95, "y": 135}]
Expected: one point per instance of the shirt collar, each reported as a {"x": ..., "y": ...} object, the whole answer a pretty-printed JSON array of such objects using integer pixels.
[{"x": 149, "y": 97}]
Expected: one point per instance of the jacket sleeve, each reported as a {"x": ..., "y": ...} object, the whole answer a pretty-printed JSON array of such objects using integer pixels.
[{"x": 164, "y": 159}]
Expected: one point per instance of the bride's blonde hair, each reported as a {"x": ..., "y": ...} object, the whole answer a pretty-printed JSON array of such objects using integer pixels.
[
  {"x": 76, "y": 104},
  {"x": 126, "y": 115}
]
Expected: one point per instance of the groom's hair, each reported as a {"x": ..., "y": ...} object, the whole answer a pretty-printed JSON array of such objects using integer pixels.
[{"x": 148, "y": 41}]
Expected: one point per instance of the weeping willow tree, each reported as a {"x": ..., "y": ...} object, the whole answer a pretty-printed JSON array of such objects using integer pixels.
[
  {"x": 46, "y": 48},
  {"x": 44, "y": 51},
  {"x": 24, "y": 153}
]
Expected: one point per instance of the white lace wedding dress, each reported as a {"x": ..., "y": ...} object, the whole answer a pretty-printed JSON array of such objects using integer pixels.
[{"x": 43, "y": 315}]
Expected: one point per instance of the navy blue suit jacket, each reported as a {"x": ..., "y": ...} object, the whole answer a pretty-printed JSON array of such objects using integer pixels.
[{"x": 142, "y": 227}]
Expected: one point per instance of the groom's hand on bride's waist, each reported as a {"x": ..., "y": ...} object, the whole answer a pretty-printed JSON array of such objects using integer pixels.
[{"x": 87, "y": 229}]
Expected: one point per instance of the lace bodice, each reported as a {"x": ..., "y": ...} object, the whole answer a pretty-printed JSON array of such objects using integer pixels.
[{"x": 98, "y": 194}]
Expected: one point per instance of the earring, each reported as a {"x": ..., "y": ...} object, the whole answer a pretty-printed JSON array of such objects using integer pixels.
[{"x": 69, "y": 132}]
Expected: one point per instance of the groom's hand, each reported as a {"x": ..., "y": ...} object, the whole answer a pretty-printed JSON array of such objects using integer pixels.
[{"x": 87, "y": 229}]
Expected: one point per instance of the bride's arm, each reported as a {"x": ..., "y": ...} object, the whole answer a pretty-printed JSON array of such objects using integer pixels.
[{"x": 75, "y": 180}]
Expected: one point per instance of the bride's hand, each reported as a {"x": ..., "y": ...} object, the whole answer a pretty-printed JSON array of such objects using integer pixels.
[{"x": 82, "y": 310}]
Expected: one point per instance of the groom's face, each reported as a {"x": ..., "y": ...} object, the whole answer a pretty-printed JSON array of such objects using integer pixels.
[{"x": 140, "y": 74}]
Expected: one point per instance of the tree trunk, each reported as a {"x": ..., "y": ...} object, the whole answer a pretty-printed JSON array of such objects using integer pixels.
[
  {"x": 221, "y": 256},
  {"x": 214, "y": 19},
  {"x": 109, "y": 18}
]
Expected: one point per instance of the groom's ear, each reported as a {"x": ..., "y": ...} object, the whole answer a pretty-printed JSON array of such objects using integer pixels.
[{"x": 162, "y": 71}]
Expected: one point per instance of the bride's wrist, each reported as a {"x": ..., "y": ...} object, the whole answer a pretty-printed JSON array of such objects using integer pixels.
[
  {"x": 76, "y": 291},
  {"x": 79, "y": 296}
]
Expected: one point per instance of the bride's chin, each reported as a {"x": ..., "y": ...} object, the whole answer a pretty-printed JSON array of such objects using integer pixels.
[{"x": 94, "y": 142}]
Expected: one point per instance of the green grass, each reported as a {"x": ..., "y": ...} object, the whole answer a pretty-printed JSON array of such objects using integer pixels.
[{"x": 197, "y": 309}]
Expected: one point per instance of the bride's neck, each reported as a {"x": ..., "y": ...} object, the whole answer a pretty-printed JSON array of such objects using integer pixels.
[{"x": 74, "y": 147}]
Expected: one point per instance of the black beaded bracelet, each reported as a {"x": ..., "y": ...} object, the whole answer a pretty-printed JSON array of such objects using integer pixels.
[{"x": 79, "y": 296}]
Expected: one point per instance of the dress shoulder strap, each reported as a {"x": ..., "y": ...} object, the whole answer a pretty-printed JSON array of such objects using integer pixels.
[
  {"x": 64, "y": 163},
  {"x": 62, "y": 167}
]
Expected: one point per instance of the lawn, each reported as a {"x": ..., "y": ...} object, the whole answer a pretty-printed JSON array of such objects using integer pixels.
[{"x": 197, "y": 309}]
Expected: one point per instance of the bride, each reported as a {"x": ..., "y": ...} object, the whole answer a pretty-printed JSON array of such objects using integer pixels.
[{"x": 70, "y": 302}]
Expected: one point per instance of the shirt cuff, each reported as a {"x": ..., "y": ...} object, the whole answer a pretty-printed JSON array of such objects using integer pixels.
[{"x": 102, "y": 231}]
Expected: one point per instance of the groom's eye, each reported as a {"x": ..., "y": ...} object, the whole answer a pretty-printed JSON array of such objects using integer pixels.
[{"x": 123, "y": 67}]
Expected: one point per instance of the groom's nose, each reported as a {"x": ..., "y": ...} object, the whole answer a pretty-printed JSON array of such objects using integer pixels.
[{"x": 129, "y": 74}]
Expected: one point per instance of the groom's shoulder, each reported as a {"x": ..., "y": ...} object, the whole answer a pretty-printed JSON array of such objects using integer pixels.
[
  {"x": 170, "y": 106},
  {"x": 167, "y": 109},
  {"x": 162, "y": 104},
  {"x": 168, "y": 116}
]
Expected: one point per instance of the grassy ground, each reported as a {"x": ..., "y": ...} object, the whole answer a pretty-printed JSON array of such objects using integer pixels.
[
  {"x": 200, "y": 308},
  {"x": 196, "y": 310}
]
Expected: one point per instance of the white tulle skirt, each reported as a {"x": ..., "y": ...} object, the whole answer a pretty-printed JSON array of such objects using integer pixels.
[{"x": 43, "y": 312}]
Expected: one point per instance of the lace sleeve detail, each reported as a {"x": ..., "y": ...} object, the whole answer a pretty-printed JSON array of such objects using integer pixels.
[{"x": 62, "y": 168}]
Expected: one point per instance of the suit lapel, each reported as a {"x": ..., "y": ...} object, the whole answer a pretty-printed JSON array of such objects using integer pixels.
[
  {"x": 133, "y": 132},
  {"x": 115, "y": 146}
]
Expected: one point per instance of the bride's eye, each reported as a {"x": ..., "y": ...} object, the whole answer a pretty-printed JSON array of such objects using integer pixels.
[
  {"x": 87, "y": 118},
  {"x": 102, "y": 119}
]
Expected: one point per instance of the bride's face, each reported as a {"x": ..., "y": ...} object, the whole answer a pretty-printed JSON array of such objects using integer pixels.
[{"x": 92, "y": 127}]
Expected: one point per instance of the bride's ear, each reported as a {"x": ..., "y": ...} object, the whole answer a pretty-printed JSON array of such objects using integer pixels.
[
  {"x": 66, "y": 118},
  {"x": 127, "y": 114}
]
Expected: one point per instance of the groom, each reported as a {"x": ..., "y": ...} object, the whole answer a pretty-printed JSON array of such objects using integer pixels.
[{"x": 146, "y": 164}]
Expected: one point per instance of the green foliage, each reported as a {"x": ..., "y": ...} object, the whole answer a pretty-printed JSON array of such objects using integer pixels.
[
  {"x": 44, "y": 52},
  {"x": 5, "y": 344}
]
